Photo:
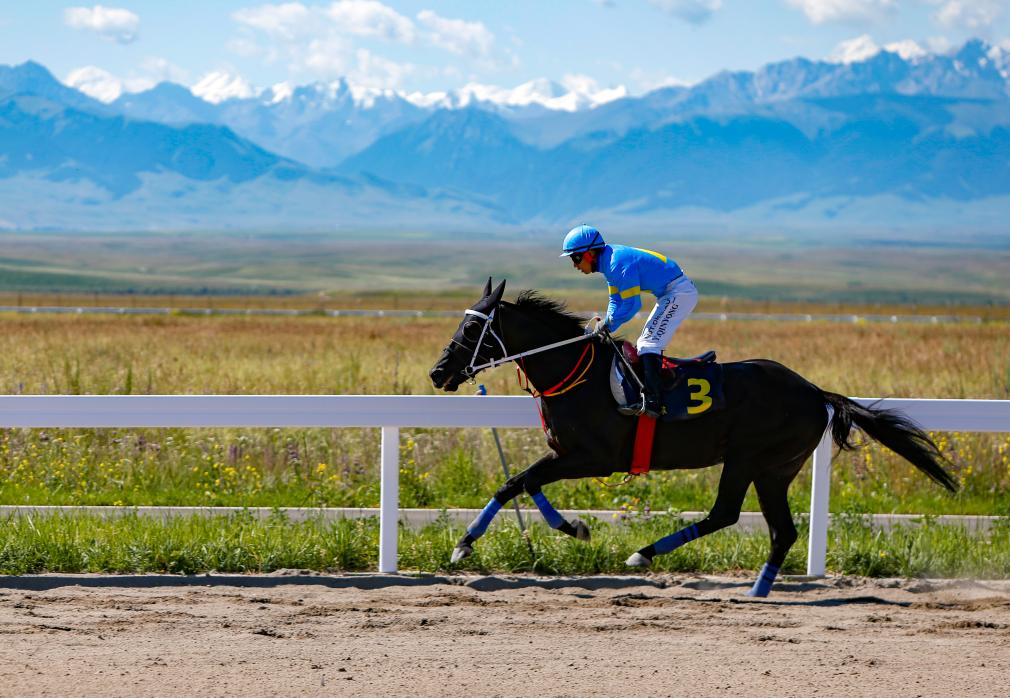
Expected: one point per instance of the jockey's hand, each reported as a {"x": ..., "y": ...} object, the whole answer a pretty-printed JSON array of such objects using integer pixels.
[{"x": 593, "y": 327}]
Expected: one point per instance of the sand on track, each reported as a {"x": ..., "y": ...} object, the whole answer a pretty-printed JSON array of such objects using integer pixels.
[{"x": 374, "y": 635}]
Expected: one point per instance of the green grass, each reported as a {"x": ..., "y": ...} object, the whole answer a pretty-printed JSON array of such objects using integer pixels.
[
  {"x": 439, "y": 468},
  {"x": 240, "y": 543}
]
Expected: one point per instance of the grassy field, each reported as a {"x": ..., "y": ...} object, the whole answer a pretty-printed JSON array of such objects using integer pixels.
[
  {"x": 178, "y": 354},
  {"x": 441, "y": 468},
  {"x": 239, "y": 543}
]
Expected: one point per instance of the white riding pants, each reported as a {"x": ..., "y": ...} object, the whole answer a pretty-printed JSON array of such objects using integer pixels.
[{"x": 676, "y": 303}]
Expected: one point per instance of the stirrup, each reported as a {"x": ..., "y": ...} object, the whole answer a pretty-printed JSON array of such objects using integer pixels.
[
  {"x": 655, "y": 413},
  {"x": 632, "y": 410}
]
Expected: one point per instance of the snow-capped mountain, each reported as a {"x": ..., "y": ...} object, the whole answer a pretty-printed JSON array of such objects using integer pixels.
[
  {"x": 321, "y": 124},
  {"x": 890, "y": 134}
]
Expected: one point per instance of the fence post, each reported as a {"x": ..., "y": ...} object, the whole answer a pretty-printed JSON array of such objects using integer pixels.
[
  {"x": 820, "y": 492},
  {"x": 389, "y": 498}
]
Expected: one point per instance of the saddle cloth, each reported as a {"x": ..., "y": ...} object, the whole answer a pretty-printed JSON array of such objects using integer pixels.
[{"x": 690, "y": 387}]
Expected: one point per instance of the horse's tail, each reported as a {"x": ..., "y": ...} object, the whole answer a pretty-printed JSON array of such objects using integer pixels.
[{"x": 894, "y": 430}]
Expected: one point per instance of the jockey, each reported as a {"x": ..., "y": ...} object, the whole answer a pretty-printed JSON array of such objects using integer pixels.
[{"x": 630, "y": 271}]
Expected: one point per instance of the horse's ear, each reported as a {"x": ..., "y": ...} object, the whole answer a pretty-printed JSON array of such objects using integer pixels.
[
  {"x": 487, "y": 288},
  {"x": 498, "y": 292}
]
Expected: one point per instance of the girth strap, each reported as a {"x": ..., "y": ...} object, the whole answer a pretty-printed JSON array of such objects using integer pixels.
[{"x": 641, "y": 456}]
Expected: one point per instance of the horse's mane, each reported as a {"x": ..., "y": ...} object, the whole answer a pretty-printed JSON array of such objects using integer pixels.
[{"x": 552, "y": 312}]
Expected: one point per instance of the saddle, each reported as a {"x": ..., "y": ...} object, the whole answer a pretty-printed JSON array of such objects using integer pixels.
[
  {"x": 690, "y": 387},
  {"x": 670, "y": 363}
]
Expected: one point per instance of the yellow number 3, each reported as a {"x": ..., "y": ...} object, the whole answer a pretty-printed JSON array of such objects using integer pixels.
[{"x": 700, "y": 394}]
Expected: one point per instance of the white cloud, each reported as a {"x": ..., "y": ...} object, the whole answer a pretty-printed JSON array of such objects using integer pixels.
[
  {"x": 287, "y": 22},
  {"x": 457, "y": 35},
  {"x": 294, "y": 21},
  {"x": 822, "y": 11},
  {"x": 939, "y": 44},
  {"x": 111, "y": 23},
  {"x": 973, "y": 15},
  {"x": 693, "y": 11},
  {"x": 332, "y": 40},
  {"x": 330, "y": 57},
  {"x": 371, "y": 70},
  {"x": 371, "y": 18},
  {"x": 219, "y": 85},
  {"x": 102, "y": 85}
]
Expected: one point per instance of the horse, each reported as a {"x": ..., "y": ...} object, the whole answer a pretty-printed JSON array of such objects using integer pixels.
[{"x": 772, "y": 421}]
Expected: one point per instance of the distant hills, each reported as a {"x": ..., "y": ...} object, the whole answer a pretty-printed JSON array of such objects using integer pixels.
[{"x": 890, "y": 143}]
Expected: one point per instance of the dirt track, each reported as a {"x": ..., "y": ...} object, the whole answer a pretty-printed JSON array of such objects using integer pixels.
[{"x": 662, "y": 635}]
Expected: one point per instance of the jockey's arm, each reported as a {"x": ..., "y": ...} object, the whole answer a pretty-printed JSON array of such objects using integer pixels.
[{"x": 625, "y": 299}]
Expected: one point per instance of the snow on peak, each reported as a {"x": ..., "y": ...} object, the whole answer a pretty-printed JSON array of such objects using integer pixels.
[
  {"x": 857, "y": 50},
  {"x": 96, "y": 83},
  {"x": 973, "y": 52},
  {"x": 573, "y": 93},
  {"x": 217, "y": 86},
  {"x": 909, "y": 50},
  {"x": 281, "y": 92},
  {"x": 999, "y": 54},
  {"x": 102, "y": 85},
  {"x": 366, "y": 97}
]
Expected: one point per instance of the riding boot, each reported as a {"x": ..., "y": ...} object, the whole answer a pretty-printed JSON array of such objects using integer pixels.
[
  {"x": 652, "y": 367},
  {"x": 650, "y": 404}
]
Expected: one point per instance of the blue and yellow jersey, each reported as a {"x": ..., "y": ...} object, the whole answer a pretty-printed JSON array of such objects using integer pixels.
[{"x": 630, "y": 271}]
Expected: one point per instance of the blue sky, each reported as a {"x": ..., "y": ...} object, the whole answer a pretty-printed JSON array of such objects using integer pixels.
[{"x": 428, "y": 46}]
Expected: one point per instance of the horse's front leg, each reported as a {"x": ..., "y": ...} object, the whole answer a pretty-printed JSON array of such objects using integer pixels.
[{"x": 548, "y": 469}]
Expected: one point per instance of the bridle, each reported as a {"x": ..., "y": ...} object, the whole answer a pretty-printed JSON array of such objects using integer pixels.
[{"x": 472, "y": 368}]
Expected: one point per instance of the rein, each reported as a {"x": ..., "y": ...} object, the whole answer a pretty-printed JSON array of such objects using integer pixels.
[
  {"x": 558, "y": 389},
  {"x": 563, "y": 386},
  {"x": 473, "y": 369}
]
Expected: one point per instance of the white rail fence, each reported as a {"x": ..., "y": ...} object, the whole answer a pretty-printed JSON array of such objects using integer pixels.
[{"x": 391, "y": 412}]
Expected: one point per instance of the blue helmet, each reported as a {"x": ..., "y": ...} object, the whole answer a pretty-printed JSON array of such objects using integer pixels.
[{"x": 581, "y": 238}]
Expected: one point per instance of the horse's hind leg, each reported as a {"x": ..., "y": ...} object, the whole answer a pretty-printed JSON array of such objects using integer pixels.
[
  {"x": 771, "y": 491},
  {"x": 725, "y": 512}
]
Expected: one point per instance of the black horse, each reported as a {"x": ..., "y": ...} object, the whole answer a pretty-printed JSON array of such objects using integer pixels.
[{"x": 772, "y": 421}]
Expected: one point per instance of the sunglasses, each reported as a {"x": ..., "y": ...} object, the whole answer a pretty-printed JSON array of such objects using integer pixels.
[{"x": 577, "y": 257}]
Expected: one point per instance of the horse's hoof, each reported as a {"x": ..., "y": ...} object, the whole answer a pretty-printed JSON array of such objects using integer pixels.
[
  {"x": 757, "y": 593},
  {"x": 638, "y": 560},
  {"x": 460, "y": 552},
  {"x": 581, "y": 529}
]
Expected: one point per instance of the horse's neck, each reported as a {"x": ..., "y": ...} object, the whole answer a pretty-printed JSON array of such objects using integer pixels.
[{"x": 547, "y": 369}]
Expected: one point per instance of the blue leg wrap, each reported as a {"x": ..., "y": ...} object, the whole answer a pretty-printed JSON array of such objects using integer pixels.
[
  {"x": 764, "y": 581},
  {"x": 551, "y": 515},
  {"x": 483, "y": 519},
  {"x": 675, "y": 540}
]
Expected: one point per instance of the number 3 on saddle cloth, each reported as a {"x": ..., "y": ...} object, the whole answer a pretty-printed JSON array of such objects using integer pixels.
[{"x": 690, "y": 387}]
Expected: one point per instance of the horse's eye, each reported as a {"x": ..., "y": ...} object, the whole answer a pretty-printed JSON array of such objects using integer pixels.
[{"x": 472, "y": 330}]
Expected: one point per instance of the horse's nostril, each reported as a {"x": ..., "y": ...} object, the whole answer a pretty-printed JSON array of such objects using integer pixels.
[{"x": 437, "y": 376}]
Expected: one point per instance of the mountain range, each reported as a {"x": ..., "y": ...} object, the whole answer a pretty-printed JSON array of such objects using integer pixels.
[{"x": 889, "y": 143}]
